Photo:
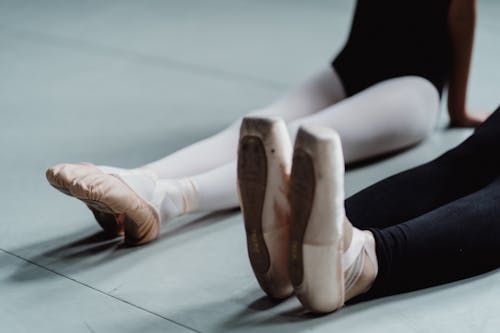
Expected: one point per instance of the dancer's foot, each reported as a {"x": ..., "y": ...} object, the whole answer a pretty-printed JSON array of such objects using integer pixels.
[
  {"x": 61, "y": 176},
  {"x": 264, "y": 155},
  {"x": 129, "y": 202},
  {"x": 327, "y": 255}
]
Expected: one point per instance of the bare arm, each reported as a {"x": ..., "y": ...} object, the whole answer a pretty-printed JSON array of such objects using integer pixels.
[{"x": 461, "y": 23}]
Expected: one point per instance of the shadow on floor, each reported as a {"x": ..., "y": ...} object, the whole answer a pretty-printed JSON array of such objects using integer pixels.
[
  {"x": 73, "y": 253},
  {"x": 289, "y": 313},
  {"x": 379, "y": 158}
]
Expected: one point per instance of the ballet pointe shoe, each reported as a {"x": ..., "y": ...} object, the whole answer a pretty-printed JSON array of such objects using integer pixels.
[
  {"x": 60, "y": 177},
  {"x": 322, "y": 276},
  {"x": 264, "y": 154},
  {"x": 109, "y": 194}
]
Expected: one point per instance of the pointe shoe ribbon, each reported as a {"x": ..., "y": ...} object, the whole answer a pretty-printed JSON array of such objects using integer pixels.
[
  {"x": 352, "y": 260},
  {"x": 360, "y": 273}
]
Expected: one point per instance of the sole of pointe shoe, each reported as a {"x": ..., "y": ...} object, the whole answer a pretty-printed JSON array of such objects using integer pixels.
[
  {"x": 316, "y": 199},
  {"x": 266, "y": 219},
  {"x": 102, "y": 214},
  {"x": 108, "y": 222}
]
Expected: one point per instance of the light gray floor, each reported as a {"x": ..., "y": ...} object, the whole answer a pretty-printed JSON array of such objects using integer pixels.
[{"x": 122, "y": 83}]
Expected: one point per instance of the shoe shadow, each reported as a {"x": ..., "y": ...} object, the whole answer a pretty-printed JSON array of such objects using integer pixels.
[
  {"x": 63, "y": 258},
  {"x": 73, "y": 253},
  {"x": 379, "y": 158},
  {"x": 289, "y": 315},
  {"x": 350, "y": 313},
  {"x": 264, "y": 303}
]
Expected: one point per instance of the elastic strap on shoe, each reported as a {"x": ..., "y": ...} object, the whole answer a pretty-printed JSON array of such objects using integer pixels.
[{"x": 353, "y": 259}]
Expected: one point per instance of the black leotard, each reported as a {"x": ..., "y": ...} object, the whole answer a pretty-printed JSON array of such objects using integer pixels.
[{"x": 392, "y": 38}]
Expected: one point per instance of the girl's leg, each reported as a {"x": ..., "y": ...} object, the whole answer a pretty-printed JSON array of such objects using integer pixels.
[
  {"x": 461, "y": 171},
  {"x": 210, "y": 191},
  {"x": 386, "y": 117},
  {"x": 317, "y": 93},
  {"x": 452, "y": 242},
  {"x": 409, "y": 103},
  {"x": 193, "y": 186}
]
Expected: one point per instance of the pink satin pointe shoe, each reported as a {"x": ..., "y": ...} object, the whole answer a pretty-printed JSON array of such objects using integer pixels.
[
  {"x": 60, "y": 177},
  {"x": 117, "y": 208},
  {"x": 327, "y": 255},
  {"x": 264, "y": 155}
]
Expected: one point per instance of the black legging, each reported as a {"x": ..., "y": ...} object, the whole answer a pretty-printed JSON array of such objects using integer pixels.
[{"x": 438, "y": 222}]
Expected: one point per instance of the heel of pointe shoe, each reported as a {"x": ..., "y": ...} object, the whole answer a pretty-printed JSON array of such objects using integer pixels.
[
  {"x": 322, "y": 287},
  {"x": 276, "y": 281},
  {"x": 263, "y": 162},
  {"x": 316, "y": 199}
]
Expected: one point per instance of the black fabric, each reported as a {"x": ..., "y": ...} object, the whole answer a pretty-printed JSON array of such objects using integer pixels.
[
  {"x": 393, "y": 38},
  {"x": 438, "y": 222}
]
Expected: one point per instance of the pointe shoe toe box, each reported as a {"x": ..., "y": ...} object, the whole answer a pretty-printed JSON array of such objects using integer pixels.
[
  {"x": 62, "y": 175},
  {"x": 101, "y": 187}
]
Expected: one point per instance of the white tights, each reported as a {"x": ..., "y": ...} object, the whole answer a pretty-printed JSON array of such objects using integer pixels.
[{"x": 388, "y": 116}]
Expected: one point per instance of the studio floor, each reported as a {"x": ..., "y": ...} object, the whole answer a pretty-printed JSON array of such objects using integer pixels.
[{"x": 123, "y": 83}]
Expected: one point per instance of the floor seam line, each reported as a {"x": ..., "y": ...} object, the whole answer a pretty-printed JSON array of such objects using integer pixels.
[
  {"x": 141, "y": 58},
  {"x": 100, "y": 291}
]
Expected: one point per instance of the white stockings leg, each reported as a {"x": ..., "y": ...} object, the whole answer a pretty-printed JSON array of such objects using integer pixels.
[
  {"x": 202, "y": 176},
  {"x": 209, "y": 191},
  {"x": 317, "y": 93},
  {"x": 388, "y": 116}
]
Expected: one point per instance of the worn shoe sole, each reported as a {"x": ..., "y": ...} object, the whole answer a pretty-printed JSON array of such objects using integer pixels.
[
  {"x": 263, "y": 162},
  {"x": 317, "y": 216}
]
